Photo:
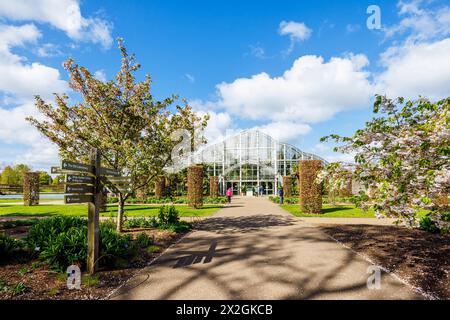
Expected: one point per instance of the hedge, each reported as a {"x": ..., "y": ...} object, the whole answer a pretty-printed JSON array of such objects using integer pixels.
[
  {"x": 287, "y": 186},
  {"x": 31, "y": 188},
  {"x": 346, "y": 190},
  {"x": 310, "y": 190},
  {"x": 214, "y": 186},
  {"x": 195, "y": 186}
]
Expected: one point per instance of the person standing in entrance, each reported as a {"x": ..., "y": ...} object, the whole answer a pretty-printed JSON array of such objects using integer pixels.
[
  {"x": 281, "y": 195},
  {"x": 229, "y": 194}
]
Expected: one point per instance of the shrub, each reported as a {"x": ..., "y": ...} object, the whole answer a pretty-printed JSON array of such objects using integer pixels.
[
  {"x": 113, "y": 246},
  {"x": 168, "y": 215},
  {"x": 141, "y": 222},
  {"x": 19, "y": 288},
  {"x": 178, "y": 227},
  {"x": 287, "y": 186},
  {"x": 18, "y": 223},
  {"x": 310, "y": 190},
  {"x": 214, "y": 186},
  {"x": 66, "y": 248},
  {"x": 215, "y": 200},
  {"x": 144, "y": 241},
  {"x": 8, "y": 245},
  {"x": 62, "y": 241},
  {"x": 195, "y": 185},
  {"x": 286, "y": 200},
  {"x": 430, "y": 223},
  {"x": 46, "y": 229}
]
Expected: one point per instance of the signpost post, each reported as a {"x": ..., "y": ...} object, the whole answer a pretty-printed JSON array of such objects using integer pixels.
[{"x": 84, "y": 183}]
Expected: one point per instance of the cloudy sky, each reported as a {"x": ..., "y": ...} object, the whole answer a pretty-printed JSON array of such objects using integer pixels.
[{"x": 297, "y": 70}]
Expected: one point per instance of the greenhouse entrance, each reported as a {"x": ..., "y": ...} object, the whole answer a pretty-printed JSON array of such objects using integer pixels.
[{"x": 247, "y": 160}]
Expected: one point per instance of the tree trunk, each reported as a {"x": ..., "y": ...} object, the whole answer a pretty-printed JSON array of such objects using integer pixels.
[{"x": 120, "y": 207}]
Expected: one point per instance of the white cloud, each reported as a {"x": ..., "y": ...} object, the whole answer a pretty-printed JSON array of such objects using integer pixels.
[
  {"x": 100, "y": 75},
  {"x": 220, "y": 125},
  {"x": 258, "y": 52},
  {"x": 311, "y": 91},
  {"x": 419, "y": 23},
  {"x": 22, "y": 79},
  {"x": 62, "y": 14},
  {"x": 285, "y": 131},
  {"x": 416, "y": 69},
  {"x": 15, "y": 130},
  {"x": 297, "y": 31},
  {"x": 48, "y": 50},
  {"x": 190, "y": 77}
]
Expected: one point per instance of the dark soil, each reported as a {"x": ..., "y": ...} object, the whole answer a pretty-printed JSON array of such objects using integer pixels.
[
  {"x": 33, "y": 280},
  {"x": 419, "y": 257}
]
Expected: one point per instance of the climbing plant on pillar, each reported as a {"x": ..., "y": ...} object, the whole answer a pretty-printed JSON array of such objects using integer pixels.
[
  {"x": 287, "y": 186},
  {"x": 310, "y": 189},
  {"x": 214, "y": 186},
  {"x": 195, "y": 186},
  {"x": 31, "y": 188}
]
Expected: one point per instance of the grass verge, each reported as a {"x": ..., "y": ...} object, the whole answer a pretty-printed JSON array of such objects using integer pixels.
[{"x": 81, "y": 210}]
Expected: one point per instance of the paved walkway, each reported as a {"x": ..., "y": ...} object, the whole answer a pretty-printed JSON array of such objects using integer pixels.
[{"x": 253, "y": 249}]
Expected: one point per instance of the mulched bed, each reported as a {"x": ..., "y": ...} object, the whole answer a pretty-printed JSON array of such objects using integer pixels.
[
  {"x": 40, "y": 283},
  {"x": 419, "y": 257}
]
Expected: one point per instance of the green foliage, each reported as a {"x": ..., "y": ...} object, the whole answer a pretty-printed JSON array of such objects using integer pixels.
[
  {"x": 90, "y": 281},
  {"x": 141, "y": 222},
  {"x": 14, "y": 175},
  {"x": 44, "y": 178},
  {"x": 178, "y": 227},
  {"x": 144, "y": 241},
  {"x": 3, "y": 286},
  {"x": 168, "y": 219},
  {"x": 17, "y": 223},
  {"x": 66, "y": 248},
  {"x": 153, "y": 249},
  {"x": 174, "y": 200},
  {"x": 430, "y": 223},
  {"x": 24, "y": 270},
  {"x": 8, "y": 245},
  {"x": 276, "y": 199},
  {"x": 18, "y": 288},
  {"x": 62, "y": 241},
  {"x": 45, "y": 230},
  {"x": 113, "y": 246},
  {"x": 359, "y": 199},
  {"x": 168, "y": 215}
]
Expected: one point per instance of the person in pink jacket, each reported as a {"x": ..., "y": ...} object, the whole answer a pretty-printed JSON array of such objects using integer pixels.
[{"x": 229, "y": 194}]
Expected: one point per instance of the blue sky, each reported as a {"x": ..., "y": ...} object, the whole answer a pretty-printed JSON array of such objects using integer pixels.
[{"x": 296, "y": 69}]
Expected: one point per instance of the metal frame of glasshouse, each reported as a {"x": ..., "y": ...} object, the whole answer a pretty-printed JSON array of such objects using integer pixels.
[{"x": 248, "y": 159}]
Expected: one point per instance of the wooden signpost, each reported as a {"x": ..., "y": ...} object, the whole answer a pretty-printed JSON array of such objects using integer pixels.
[{"x": 84, "y": 184}]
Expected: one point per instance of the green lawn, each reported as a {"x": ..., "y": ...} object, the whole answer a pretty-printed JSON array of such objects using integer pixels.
[
  {"x": 11, "y": 200},
  {"x": 81, "y": 210},
  {"x": 330, "y": 211}
]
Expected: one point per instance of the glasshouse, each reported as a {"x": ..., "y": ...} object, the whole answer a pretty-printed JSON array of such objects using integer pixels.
[{"x": 247, "y": 160}]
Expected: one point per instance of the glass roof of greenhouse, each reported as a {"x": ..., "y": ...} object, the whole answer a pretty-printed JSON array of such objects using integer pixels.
[{"x": 247, "y": 147}]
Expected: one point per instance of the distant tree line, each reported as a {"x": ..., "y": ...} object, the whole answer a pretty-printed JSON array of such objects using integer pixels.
[{"x": 13, "y": 175}]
